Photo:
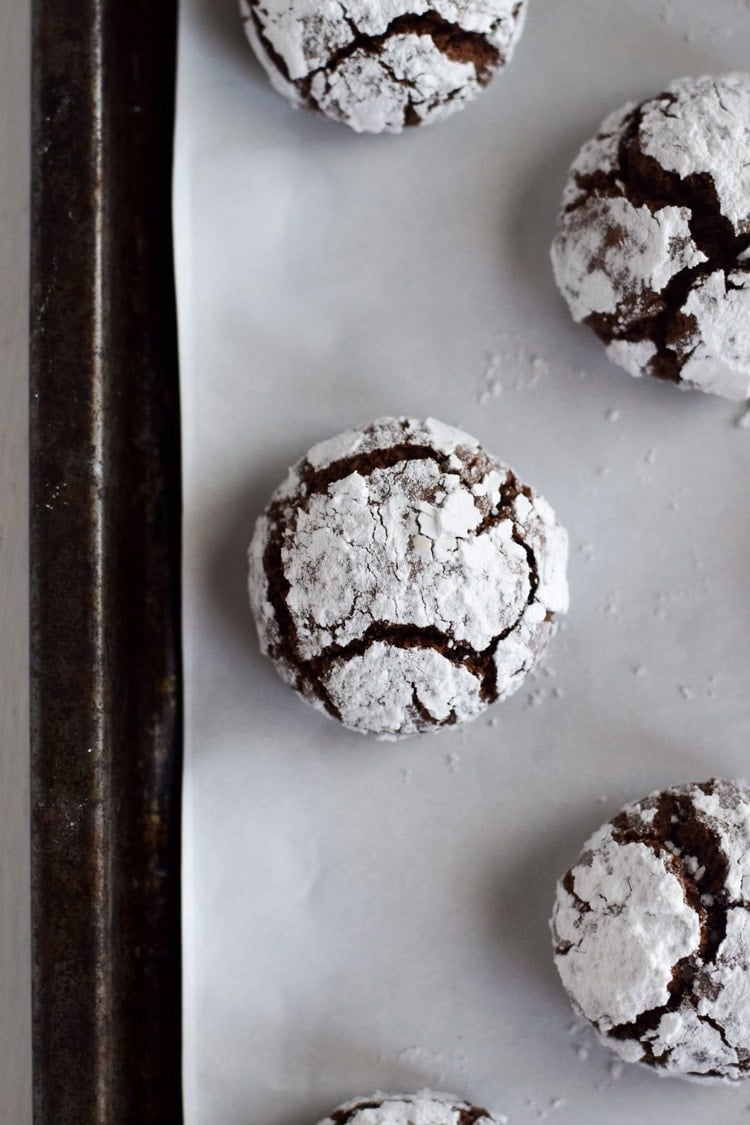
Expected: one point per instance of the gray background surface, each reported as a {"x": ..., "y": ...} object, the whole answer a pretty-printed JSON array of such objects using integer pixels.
[
  {"x": 359, "y": 915},
  {"x": 15, "y": 1052}
]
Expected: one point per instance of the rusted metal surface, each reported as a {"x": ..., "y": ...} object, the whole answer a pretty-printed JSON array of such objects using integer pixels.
[{"x": 105, "y": 512}]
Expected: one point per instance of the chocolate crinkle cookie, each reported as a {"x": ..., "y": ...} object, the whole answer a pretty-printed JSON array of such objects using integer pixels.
[
  {"x": 652, "y": 931},
  {"x": 653, "y": 242},
  {"x": 379, "y": 65},
  {"x": 402, "y": 579},
  {"x": 424, "y": 1108}
]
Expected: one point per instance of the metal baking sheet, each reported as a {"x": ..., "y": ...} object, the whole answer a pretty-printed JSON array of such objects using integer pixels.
[
  {"x": 105, "y": 543},
  {"x": 358, "y": 915}
]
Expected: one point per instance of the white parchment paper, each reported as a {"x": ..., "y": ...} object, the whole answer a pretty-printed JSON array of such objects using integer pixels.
[{"x": 360, "y": 915}]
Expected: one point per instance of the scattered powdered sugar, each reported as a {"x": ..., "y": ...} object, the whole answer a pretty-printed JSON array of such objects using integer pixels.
[
  {"x": 542, "y": 690},
  {"x": 543, "y": 1110},
  {"x": 424, "y": 1108},
  {"x": 652, "y": 241},
  {"x": 652, "y": 931},
  {"x": 512, "y": 367},
  {"x": 443, "y": 1068},
  {"x": 378, "y": 67},
  {"x": 582, "y": 1039},
  {"x": 402, "y": 579}
]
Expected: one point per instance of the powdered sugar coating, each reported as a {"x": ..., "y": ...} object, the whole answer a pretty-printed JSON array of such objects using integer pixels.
[
  {"x": 402, "y": 579},
  {"x": 652, "y": 931},
  {"x": 652, "y": 242},
  {"x": 648, "y": 928},
  {"x": 378, "y": 65},
  {"x": 423, "y": 1108},
  {"x": 718, "y": 347},
  {"x": 704, "y": 128}
]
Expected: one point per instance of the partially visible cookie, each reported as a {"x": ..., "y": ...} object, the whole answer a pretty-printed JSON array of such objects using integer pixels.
[
  {"x": 653, "y": 242},
  {"x": 652, "y": 931},
  {"x": 424, "y": 1108},
  {"x": 402, "y": 578},
  {"x": 380, "y": 65}
]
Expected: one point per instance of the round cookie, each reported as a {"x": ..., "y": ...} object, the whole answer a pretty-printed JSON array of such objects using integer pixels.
[
  {"x": 402, "y": 579},
  {"x": 424, "y": 1108},
  {"x": 652, "y": 931},
  {"x": 653, "y": 242},
  {"x": 380, "y": 65}
]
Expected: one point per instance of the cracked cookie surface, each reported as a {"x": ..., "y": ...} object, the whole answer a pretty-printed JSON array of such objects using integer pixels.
[
  {"x": 381, "y": 65},
  {"x": 653, "y": 241},
  {"x": 652, "y": 931},
  {"x": 402, "y": 579},
  {"x": 424, "y": 1108}
]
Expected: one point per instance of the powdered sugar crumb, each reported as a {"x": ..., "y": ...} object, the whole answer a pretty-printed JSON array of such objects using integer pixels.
[
  {"x": 582, "y": 1039},
  {"x": 511, "y": 366},
  {"x": 616, "y": 1069}
]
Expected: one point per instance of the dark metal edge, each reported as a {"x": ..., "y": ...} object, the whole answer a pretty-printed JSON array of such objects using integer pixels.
[{"x": 106, "y": 689}]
